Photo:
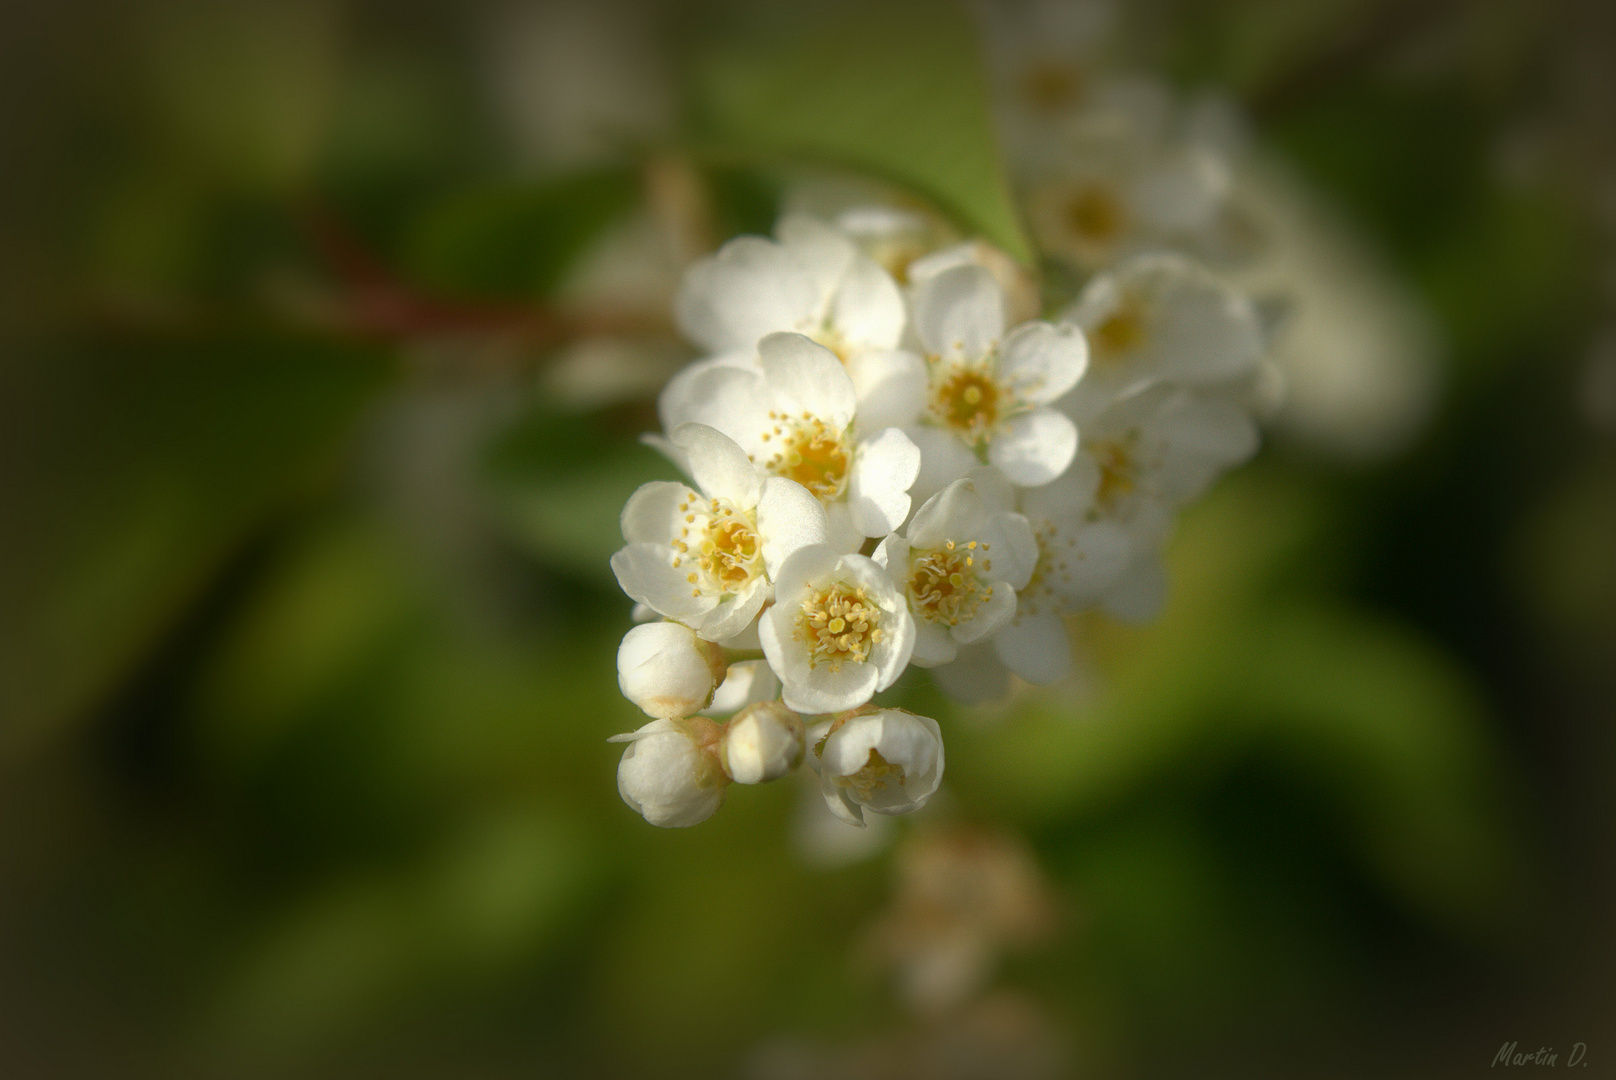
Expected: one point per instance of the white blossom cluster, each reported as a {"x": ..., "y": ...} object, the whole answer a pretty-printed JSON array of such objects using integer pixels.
[{"x": 890, "y": 464}]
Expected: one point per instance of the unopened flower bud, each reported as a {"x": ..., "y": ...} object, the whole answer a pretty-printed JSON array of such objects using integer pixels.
[
  {"x": 666, "y": 670},
  {"x": 670, "y": 773},
  {"x": 763, "y": 742},
  {"x": 886, "y": 760},
  {"x": 747, "y": 682}
]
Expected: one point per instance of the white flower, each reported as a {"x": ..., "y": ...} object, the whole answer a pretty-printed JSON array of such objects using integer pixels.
[
  {"x": 705, "y": 559},
  {"x": 1160, "y": 318},
  {"x": 838, "y": 630},
  {"x": 1020, "y": 287},
  {"x": 1149, "y": 452},
  {"x": 886, "y": 760},
  {"x": 1120, "y": 189},
  {"x": 762, "y": 743},
  {"x": 670, "y": 772},
  {"x": 1079, "y": 559},
  {"x": 666, "y": 670},
  {"x": 965, "y": 555},
  {"x": 1143, "y": 456},
  {"x": 745, "y": 683},
  {"x": 814, "y": 281},
  {"x": 989, "y": 392},
  {"x": 794, "y": 416}
]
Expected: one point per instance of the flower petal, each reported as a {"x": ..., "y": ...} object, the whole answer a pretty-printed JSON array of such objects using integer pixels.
[
  {"x": 934, "y": 645},
  {"x": 977, "y": 677},
  {"x": 991, "y": 617},
  {"x": 1140, "y": 594},
  {"x": 1036, "y": 647},
  {"x": 955, "y": 513},
  {"x": 1011, "y": 547},
  {"x": 647, "y": 574},
  {"x": 890, "y": 385},
  {"x": 1041, "y": 361},
  {"x": 806, "y": 377},
  {"x": 943, "y": 459},
  {"x": 884, "y": 468},
  {"x": 841, "y": 532},
  {"x": 720, "y": 468},
  {"x": 750, "y": 288},
  {"x": 734, "y": 612},
  {"x": 1088, "y": 558},
  {"x": 788, "y": 518},
  {"x": 652, "y": 514},
  {"x": 959, "y": 313},
  {"x": 819, "y": 251},
  {"x": 867, "y": 309},
  {"x": 1034, "y": 447},
  {"x": 679, "y": 400}
]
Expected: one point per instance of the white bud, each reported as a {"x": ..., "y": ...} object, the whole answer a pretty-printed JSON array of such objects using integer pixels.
[
  {"x": 763, "y": 742},
  {"x": 670, "y": 773},
  {"x": 886, "y": 760},
  {"x": 746, "y": 683},
  {"x": 666, "y": 670}
]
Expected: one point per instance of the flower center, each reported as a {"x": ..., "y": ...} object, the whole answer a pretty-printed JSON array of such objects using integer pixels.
[
  {"x": 1051, "y": 566},
  {"x": 943, "y": 586},
  {"x": 810, "y": 453},
  {"x": 1096, "y": 215},
  {"x": 831, "y": 338},
  {"x": 876, "y": 774},
  {"x": 967, "y": 401},
  {"x": 1052, "y": 85},
  {"x": 839, "y": 625},
  {"x": 1118, "y": 470},
  {"x": 722, "y": 543},
  {"x": 1120, "y": 334}
]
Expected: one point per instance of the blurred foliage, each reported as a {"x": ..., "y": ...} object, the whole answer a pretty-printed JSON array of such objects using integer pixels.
[
  {"x": 302, "y": 760},
  {"x": 893, "y": 88}
]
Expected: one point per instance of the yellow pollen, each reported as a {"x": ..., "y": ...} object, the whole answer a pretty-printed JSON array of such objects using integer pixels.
[
  {"x": 875, "y": 775},
  {"x": 967, "y": 401},
  {"x": 813, "y": 455},
  {"x": 1096, "y": 216},
  {"x": 943, "y": 586},
  {"x": 1117, "y": 469},
  {"x": 840, "y": 625},
  {"x": 724, "y": 547},
  {"x": 1120, "y": 334}
]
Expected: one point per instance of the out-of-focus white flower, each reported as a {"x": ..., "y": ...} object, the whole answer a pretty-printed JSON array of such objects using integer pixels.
[
  {"x": 794, "y": 416},
  {"x": 1159, "y": 318},
  {"x": 670, "y": 773},
  {"x": 886, "y": 760},
  {"x": 961, "y": 562},
  {"x": 1115, "y": 193},
  {"x": 745, "y": 683},
  {"x": 1149, "y": 452},
  {"x": 1079, "y": 559},
  {"x": 706, "y": 559},
  {"x": 1358, "y": 355},
  {"x": 989, "y": 391},
  {"x": 1022, "y": 299},
  {"x": 838, "y": 631},
  {"x": 763, "y": 742},
  {"x": 1143, "y": 456},
  {"x": 813, "y": 281},
  {"x": 666, "y": 670},
  {"x": 975, "y": 677}
]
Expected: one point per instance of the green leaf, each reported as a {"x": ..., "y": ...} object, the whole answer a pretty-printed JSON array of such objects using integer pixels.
[
  {"x": 132, "y": 473},
  {"x": 893, "y": 88},
  {"x": 515, "y": 240}
]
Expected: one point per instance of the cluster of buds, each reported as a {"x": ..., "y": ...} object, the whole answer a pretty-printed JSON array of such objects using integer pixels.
[{"x": 892, "y": 461}]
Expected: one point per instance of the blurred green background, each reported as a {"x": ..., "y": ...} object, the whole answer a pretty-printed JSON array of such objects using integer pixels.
[{"x": 329, "y": 329}]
